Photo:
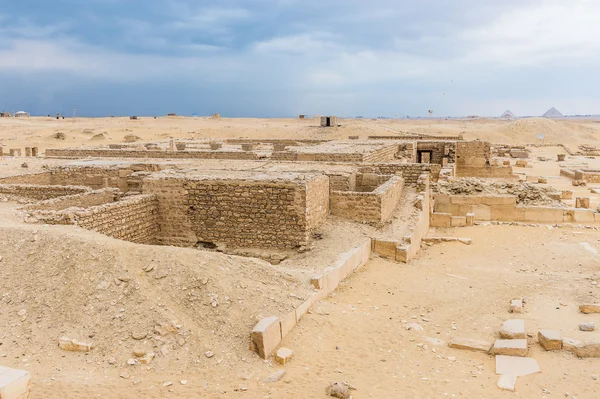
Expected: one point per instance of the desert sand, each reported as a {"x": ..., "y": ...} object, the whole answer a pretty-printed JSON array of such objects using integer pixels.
[{"x": 59, "y": 280}]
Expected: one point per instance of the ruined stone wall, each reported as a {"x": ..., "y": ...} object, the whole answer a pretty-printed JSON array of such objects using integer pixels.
[
  {"x": 239, "y": 213},
  {"x": 472, "y": 153},
  {"x": 317, "y": 202},
  {"x": 587, "y": 175},
  {"x": 422, "y": 137},
  {"x": 410, "y": 172},
  {"x": 128, "y": 153},
  {"x": 82, "y": 200},
  {"x": 367, "y": 182},
  {"x": 407, "y": 151},
  {"x": 497, "y": 172},
  {"x": 132, "y": 219},
  {"x": 42, "y": 178},
  {"x": 41, "y": 192},
  {"x": 368, "y": 207},
  {"x": 386, "y": 154},
  {"x": 342, "y": 182},
  {"x": 437, "y": 148}
]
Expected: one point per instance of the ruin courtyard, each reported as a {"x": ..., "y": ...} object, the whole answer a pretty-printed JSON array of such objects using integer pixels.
[{"x": 276, "y": 258}]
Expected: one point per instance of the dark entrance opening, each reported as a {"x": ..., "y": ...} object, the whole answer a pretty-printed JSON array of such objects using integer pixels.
[
  {"x": 424, "y": 156},
  {"x": 328, "y": 123}
]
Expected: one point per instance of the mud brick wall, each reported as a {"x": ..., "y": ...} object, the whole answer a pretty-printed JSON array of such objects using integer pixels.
[
  {"x": 342, "y": 182},
  {"x": 239, "y": 213},
  {"x": 84, "y": 200},
  {"x": 410, "y": 172},
  {"x": 367, "y": 182},
  {"x": 373, "y": 207},
  {"x": 128, "y": 153},
  {"x": 133, "y": 219},
  {"x": 386, "y": 154},
  {"x": 41, "y": 192}
]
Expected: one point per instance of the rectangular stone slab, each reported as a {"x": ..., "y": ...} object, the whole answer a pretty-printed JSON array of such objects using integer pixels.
[
  {"x": 470, "y": 344},
  {"x": 510, "y": 347},
  {"x": 14, "y": 383},
  {"x": 507, "y": 382},
  {"x": 266, "y": 336},
  {"x": 513, "y": 329},
  {"x": 589, "y": 308},
  {"x": 550, "y": 340},
  {"x": 517, "y": 366}
]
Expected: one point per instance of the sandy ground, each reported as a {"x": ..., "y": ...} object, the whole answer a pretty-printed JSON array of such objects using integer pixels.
[
  {"x": 39, "y": 131},
  {"x": 58, "y": 276}
]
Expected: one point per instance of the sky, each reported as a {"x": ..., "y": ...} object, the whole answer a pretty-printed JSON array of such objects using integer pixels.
[{"x": 281, "y": 58}]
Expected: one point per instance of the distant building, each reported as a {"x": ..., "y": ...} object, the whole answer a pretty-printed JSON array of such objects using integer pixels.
[
  {"x": 21, "y": 114},
  {"x": 4, "y": 114},
  {"x": 508, "y": 115},
  {"x": 552, "y": 113},
  {"x": 301, "y": 116},
  {"x": 329, "y": 121}
]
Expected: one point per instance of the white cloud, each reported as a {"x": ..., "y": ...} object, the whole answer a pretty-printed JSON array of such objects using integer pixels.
[{"x": 301, "y": 44}]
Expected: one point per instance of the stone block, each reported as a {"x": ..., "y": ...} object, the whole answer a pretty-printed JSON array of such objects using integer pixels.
[
  {"x": 543, "y": 214},
  {"x": 521, "y": 163},
  {"x": 402, "y": 253},
  {"x": 331, "y": 279},
  {"x": 590, "y": 326},
  {"x": 517, "y": 366},
  {"x": 470, "y": 344},
  {"x": 513, "y": 329},
  {"x": 470, "y": 219},
  {"x": 510, "y": 347},
  {"x": 543, "y": 180},
  {"x": 561, "y": 157},
  {"x": 584, "y": 216},
  {"x": 317, "y": 281},
  {"x": 507, "y": 382},
  {"x": 589, "y": 308},
  {"x": 550, "y": 340},
  {"x": 287, "y": 323},
  {"x": 385, "y": 249},
  {"x": 587, "y": 349},
  {"x": 566, "y": 194},
  {"x": 516, "y": 306},
  {"x": 73, "y": 345},
  {"x": 570, "y": 344},
  {"x": 14, "y": 384},
  {"x": 441, "y": 219},
  {"x": 458, "y": 221},
  {"x": 283, "y": 355},
  {"x": 266, "y": 336},
  {"x": 582, "y": 202},
  {"x": 303, "y": 308}
]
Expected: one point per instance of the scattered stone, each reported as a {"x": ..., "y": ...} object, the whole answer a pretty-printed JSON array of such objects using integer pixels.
[
  {"x": 147, "y": 359},
  {"x": 139, "y": 352},
  {"x": 510, "y": 347},
  {"x": 73, "y": 345},
  {"x": 24, "y": 165},
  {"x": 138, "y": 336},
  {"x": 587, "y": 326},
  {"x": 209, "y": 354},
  {"x": 513, "y": 329},
  {"x": 507, "y": 382},
  {"x": 338, "y": 390},
  {"x": 570, "y": 344},
  {"x": 587, "y": 349},
  {"x": 587, "y": 309},
  {"x": 112, "y": 360},
  {"x": 517, "y": 366},
  {"x": 125, "y": 375},
  {"x": 283, "y": 355},
  {"x": 550, "y": 339},
  {"x": 167, "y": 384},
  {"x": 516, "y": 306},
  {"x": 470, "y": 344},
  {"x": 183, "y": 382},
  {"x": 132, "y": 362},
  {"x": 275, "y": 376},
  {"x": 414, "y": 327}
]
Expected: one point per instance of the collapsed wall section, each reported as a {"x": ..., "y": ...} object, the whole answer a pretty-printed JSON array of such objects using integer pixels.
[
  {"x": 473, "y": 160},
  {"x": 252, "y": 212},
  {"x": 410, "y": 172}
]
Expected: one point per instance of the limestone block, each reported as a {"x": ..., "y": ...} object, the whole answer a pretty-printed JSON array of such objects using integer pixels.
[
  {"x": 584, "y": 216},
  {"x": 331, "y": 279},
  {"x": 73, "y": 345},
  {"x": 589, "y": 308},
  {"x": 441, "y": 219},
  {"x": 590, "y": 326},
  {"x": 516, "y": 306},
  {"x": 570, "y": 344},
  {"x": 402, "y": 253},
  {"x": 482, "y": 212},
  {"x": 470, "y": 344},
  {"x": 582, "y": 202},
  {"x": 507, "y": 382},
  {"x": 566, "y": 194},
  {"x": 543, "y": 214},
  {"x": 550, "y": 339},
  {"x": 266, "y": 336},
  {"x": 521, "y": 164},
  {"x": 287, "y": 323},
  {"x": 14, "y": 384},
  {"x": 561, "y": 157},
  {"x": 385, "y": 249},
  {"x": 543, "y": 180},
  {"x": 470, "y": 219},
  {"x": 283, "y": 355},
  {"x": 317, "y": 281},
  {"x": 303, "y": 308},
  {"x": 517, "y": 366},
  {"x": 510, "y": 347},
  {"x": 587, "y": 349},
  {"x": 458, "y": 221},
  {"x": 513, "y": 329}
]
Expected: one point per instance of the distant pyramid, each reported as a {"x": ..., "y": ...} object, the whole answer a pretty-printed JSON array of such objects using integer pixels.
[
  {"x": 552, "y": 113},
  {"x": 508, "y": 115}
]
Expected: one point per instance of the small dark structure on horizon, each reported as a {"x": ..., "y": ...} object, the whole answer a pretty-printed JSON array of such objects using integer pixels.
[
  {"x": 133, "y": 118},
  {"x": 329, "y": 121},
  {"x": 302, "y": 116}
]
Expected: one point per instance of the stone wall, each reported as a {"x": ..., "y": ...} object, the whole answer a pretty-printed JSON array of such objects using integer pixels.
[
  {"x": 374, "y": 207},
  {"x": 495, "y": 172},
  {"x": 132, "y": 219},
  {"x": 588, "y": 175},
  {"x": 83, "y": 200},
  {"x": 472, "y": 154},
  {"x": 41, "y": 192},
  {"x": 410, "y": 172},
  {"x": 439, "y": 150},
  {"x": 129, "y": 153},
  {"x": 239, "y": 213}
]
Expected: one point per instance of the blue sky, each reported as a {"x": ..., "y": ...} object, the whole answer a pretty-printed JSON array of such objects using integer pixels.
[{"x": 277, "y": 58}]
